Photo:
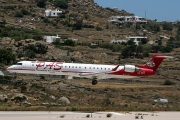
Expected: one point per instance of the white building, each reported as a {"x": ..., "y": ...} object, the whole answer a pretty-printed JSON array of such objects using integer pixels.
[
  {"x": 117, "y": 41},
  {"x": 52, "y": 13},
  {"x": 136, "y": 39},
  {"x": 123, "y": 19},
  {"x": 51, "y": 39}
]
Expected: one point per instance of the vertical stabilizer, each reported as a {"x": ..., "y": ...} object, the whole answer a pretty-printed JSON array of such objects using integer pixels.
[{"x": 154, "y": 62}]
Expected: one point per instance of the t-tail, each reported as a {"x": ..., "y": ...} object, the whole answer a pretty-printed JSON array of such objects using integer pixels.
[{"x": 154, "y": 62}]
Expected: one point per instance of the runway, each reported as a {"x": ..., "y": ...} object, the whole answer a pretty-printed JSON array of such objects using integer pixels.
[{"x": 49, "y": 115}]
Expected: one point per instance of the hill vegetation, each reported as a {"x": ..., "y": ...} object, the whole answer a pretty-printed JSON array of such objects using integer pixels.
[{"x": 83, "y": 23}]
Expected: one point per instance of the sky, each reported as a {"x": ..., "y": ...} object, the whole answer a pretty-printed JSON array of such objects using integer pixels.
[{"x": 161, "y": 10}]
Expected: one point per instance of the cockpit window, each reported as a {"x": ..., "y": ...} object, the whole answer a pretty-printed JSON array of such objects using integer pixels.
[{"x": 18, "y": 63}]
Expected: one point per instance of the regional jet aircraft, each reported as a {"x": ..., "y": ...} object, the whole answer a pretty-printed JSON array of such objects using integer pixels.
[{"x": 93, "y": 71}]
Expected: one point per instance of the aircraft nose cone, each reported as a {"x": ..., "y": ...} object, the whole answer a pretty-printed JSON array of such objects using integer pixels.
[{"x": 9, "y": 68}]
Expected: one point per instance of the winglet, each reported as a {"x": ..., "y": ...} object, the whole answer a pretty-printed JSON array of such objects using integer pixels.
[{"x": 114, "y": 69}]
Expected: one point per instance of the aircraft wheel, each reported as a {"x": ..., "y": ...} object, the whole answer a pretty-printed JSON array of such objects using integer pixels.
[{"x": 94, "y": 82}]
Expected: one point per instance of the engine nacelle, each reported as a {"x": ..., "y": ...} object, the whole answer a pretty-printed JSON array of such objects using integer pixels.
[{"x": 130, "y": 68}]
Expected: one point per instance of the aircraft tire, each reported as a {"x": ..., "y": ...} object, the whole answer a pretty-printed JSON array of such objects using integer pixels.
[{"x": 94, "y": 82}]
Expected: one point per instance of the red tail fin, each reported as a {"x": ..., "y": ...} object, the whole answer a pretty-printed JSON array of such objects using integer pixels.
[{"x": 154, "y": 62}]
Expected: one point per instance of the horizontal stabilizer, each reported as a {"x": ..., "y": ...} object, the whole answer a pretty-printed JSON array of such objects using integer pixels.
[{"x": 164, "y": 57}]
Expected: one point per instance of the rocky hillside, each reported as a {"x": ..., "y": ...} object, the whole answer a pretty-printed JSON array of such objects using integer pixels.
[{"x": 89, "y": 12}]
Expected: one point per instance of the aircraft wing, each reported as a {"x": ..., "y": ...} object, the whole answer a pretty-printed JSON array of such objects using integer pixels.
[
  {"x": 90, "y": 74},
  {"x": 99, "y": 75}
]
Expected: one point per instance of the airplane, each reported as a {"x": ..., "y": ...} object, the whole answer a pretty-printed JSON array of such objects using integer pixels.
[{"x": 93, "y": 71}]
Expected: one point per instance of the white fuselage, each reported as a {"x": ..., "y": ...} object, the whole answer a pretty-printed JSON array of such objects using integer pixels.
[{"x": 70, "y": 69}]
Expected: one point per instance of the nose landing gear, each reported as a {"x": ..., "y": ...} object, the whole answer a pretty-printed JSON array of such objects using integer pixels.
[{"x": 94, "y": 82}]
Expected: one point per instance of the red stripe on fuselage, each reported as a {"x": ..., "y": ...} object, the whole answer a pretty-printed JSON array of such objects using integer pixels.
[
  {"x": 20, "y": 69},
  {"x": 142, "y": 72}
]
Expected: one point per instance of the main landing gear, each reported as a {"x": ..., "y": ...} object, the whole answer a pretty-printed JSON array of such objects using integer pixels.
[{"x": 94, "y": 81}]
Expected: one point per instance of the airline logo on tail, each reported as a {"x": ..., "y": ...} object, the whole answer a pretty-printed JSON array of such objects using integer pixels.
[
  {"x": 151, "y": 64},
  {"x": 154, "y": 62}
]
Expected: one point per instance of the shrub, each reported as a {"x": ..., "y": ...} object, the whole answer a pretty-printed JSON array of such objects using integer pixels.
[
  {"x": 23, "y": 88},
  {"x": 42, "y": 77},
  {"x": 167, "y": 26},
  {"x": 98, "y": 28},
  {"x": 7, "y": 56},
  {"x": 78, "y": 25},
  {"x": 87, "y": 116},
  {"x": 168, "y": 82},
  {"x": 152, "y": 27},
  {"x": 10, "y": 7},
  {"x": 41, "y": 3},
  {"x": 86, "y": 16},
  {"x": 20, "y": 33},
  {"x": 25, "y": 12},
  {"x": 18, "y": 14},
  {"x": 37, "y": 37},
  {"x": 30, "y": 54},
  {"x": 73, "y": 109},
  {"x": 109, "y": 115},
  {"x": 64, "y": 37},
  {"x": 69, "y": 43},
  {"x": 61, "y": 3},
  {"x": 2, "y": 24},
  {"x": 46, "y": 20}
]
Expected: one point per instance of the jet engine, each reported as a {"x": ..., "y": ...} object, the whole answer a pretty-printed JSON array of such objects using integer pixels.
[{"x": 130, "y": 68}]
